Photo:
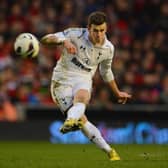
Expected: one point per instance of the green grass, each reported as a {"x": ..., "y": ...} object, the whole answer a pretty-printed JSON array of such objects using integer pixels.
[{"x": 46, "y": 155}]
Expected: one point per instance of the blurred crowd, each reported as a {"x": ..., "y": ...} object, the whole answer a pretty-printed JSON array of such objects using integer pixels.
[{"x": 137, "y": 28}]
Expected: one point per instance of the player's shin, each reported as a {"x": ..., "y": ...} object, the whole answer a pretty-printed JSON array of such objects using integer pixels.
[
  {"x": 73, "y": 121},
  {"x": 76, "y": 111},
  {"x": 95, "y": 136}
]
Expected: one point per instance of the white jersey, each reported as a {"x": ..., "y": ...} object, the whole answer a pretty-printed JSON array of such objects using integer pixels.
[{"x": 88, "y": 56}]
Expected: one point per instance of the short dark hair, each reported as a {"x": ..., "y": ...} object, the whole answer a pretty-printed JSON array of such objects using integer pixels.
[{"x": 97, "y": 18}]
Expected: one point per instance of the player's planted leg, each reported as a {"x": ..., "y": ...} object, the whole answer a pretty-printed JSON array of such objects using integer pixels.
[
  {"x": 95, "y": 136},
  {"x": 113, "y": 155}
]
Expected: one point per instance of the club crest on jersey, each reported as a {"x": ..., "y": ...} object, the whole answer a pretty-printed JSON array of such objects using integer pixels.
[
  {"x": 99, "y": 55},
  {"x": 86, "y": 60},
  {"x": 82, "y": 48}
]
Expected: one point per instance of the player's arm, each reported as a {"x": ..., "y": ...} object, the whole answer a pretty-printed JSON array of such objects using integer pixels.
[
  {"x": 59, "y": 39},
  {"x": 122, "y": 96},
  {"x": 107, "y": 75},
  {"x": 53, "y": 39}
]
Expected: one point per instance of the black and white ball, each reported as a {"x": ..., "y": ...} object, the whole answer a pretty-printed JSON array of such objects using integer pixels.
[{"x": 26, "y": 45}]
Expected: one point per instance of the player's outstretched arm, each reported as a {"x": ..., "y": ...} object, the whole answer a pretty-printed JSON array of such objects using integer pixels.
[
  {"x": 52, "y": 39},
  {"x": 121, "y": 96}
]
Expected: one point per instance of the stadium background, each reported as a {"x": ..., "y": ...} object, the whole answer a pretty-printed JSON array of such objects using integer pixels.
[{"x": 137, "y": 28}]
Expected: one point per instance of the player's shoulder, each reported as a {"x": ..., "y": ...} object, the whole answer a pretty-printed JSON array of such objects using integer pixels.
[
  {"x": 75, "y": 31},
  {"x": 108, "y": 44}
]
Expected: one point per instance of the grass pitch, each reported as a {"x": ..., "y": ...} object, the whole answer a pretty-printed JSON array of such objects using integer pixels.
[{"x": 46, "y": 155}]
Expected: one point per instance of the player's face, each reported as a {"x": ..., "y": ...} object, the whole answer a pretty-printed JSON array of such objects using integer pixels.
[{"x": 97, "y": 33}]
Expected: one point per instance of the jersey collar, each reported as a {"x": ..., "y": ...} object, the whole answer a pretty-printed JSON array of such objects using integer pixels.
[{"x": 86, "y": 36}]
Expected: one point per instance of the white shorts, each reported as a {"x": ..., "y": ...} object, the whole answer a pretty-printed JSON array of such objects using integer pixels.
[{"x": 64, "y": 86}]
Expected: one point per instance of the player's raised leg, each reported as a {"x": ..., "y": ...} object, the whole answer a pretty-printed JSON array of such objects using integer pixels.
[
  {"x": 73, "y": 122},
  {"x": 64, "y": 100},
  {"x": 95, "y": 136}
]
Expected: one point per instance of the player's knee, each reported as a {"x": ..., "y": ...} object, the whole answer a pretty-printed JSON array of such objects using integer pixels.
[
  {"x": 84, "y": 119},
  {"x": 82, "y": 99},
  {"x": 82, "y": 96}
]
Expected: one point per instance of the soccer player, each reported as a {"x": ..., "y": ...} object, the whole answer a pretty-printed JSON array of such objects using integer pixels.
[{"x": 84, "y": 49}]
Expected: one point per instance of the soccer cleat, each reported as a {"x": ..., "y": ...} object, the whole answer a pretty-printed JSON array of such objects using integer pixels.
[
  {"x": 71, "y": 125},
  {"x": 113, "y": 155}
]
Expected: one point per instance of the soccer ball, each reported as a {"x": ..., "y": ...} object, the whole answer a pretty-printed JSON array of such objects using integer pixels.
[{"x": 26, "y": 45}]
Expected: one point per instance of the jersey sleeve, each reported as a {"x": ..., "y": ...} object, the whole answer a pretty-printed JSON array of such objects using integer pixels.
[
  {"x": 105, "y": 67},
  {"x": 70, "y": 34}
]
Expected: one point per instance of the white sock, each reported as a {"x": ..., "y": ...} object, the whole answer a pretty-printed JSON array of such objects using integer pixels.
[
  {"x": 76, "y": 111},
  {"x": 95, "y": 136}
]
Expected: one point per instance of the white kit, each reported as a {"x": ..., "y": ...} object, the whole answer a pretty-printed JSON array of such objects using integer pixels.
[{"x": 75, "y": 71}]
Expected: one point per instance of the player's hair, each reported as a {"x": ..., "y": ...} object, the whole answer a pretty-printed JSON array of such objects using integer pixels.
[{"x": 97, "y": 18}]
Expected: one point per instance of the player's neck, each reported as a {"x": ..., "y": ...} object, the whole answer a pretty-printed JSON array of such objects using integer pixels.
[{"x": 97, "y": 44}]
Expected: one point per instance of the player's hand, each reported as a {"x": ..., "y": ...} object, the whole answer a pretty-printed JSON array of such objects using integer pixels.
[
  {"x": 71, "y": 48},
  {"x": 123, "y": 97}
]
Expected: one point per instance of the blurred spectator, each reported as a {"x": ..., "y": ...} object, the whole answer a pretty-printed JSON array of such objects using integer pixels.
[
  {"x": 103, "y": 99},
  {"x": 138, "y": 30},
  {"x": 8, "y": 111},
  {"x": 164, "y": 92},
  {"x": 162, "y": 21}
]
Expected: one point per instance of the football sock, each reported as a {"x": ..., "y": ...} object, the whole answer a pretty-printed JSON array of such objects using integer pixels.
[
  {"x": 95, "y": 136},
  {"x": 76, "y": 111}
]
